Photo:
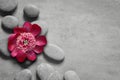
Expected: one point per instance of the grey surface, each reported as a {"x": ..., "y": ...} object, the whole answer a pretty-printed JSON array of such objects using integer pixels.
[{"x": 87, "y": 30}]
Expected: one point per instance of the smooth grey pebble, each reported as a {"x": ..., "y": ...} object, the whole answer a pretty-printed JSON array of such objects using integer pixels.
[
  {"x": 71, "y": 75},
  {"x": 43, "y": 26},
  {"x": 44, "y": 70},
  {"x": 31, "y": 11},
  {"x": 55, "y": 76},
  {"x": 24, "y": 75},
  {"x": 54, "y": 52},
  {"x": 4, "y": 47},
  {"x": 8, "y": 5},
  {"x": 9, "y": 22}
]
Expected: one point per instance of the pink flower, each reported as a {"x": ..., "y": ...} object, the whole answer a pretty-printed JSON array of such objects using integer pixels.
[{"x": 25, "y": 42}]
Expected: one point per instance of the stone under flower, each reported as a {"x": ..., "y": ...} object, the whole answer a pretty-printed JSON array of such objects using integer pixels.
[{"x": 26, "y": 42}]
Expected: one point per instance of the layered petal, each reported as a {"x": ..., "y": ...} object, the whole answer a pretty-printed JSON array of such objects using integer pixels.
[
  {"x": 21, "y": 56},
  {"x": 31, "y": 56},
  {"x": 41, "y": 41},
  {"x": 15, "y": 52},
  {"x": 12, "y": 41},
  {"x": 36, "y": 30},
  {"x": 38, "y": 49},
  {"x": 19, "y": 30},
  {"x": 27, "y": 26}
]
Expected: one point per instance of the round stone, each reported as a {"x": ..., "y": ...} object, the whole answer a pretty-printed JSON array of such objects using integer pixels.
[
  {"x": 31, "y": 11},
  {"x": 10, "y": 22},
  {"x": 24, "y": 75},
  {"x": 55, "y": 76},
  {"x": 71, "y": 75},
  {"x": 43, "y": 26},
  {"x": 54, "y": 52},
  {"x": 8, "y": 5},
  {"x": 4, "y": 47},
  {"x": 44, "y": 70}
]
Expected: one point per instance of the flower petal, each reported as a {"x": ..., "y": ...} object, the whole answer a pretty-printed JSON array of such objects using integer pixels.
[
  {"x": 27, "y": 26},
  {"x": 36, "y": 30},
  {"x": 31, "y": 56},
  {"x": 14, "y": 52},
  {"x": 19, "y": 30},
  {"x": 38, "y": 49},
  {"x": 41, "y": 41},
  {"x": 12, "y": 41},
  {"x": 21, "y": 56}
]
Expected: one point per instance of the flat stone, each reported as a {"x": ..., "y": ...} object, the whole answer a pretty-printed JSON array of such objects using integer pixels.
[
  {"x": 24, "y": 75},
  {"x": 9, "y": 22},
  {"x": 3, "y": 47},
  {"x": 71, "y": 75},
  {"x": 44, "y": 70},
  {"x": 31, "y": 11},
  {"x": 55, "y": 76},
  {"x": 43, "y": 26},
  {"x": 8, "y": 5},
  {"x": 54, "y": 52}
]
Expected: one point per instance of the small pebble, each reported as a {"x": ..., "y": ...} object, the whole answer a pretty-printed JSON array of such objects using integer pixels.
[
  {"x": 10, "y": 22},
  {"x": 43, "y": 26},
  {"x": 71, "y": 75},
  {"x": 54, "y": 52},
  {"x": 31, "y": 11},
  {"x": 55, "y": 76},
  {"x": 8, "y": 5},
  {"x": 44, "y": 70},
  {"x": 24, "y": 75}
]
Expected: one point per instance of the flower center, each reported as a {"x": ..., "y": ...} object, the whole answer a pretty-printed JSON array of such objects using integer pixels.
[{"x": 26, "y": 42}]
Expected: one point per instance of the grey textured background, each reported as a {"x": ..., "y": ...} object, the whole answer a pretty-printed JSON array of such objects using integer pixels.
[{"x": 87, "y": 30}]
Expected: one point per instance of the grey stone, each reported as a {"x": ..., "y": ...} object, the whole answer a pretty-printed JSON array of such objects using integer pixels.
[
  {"x": 10, "y": 22},
  {"x": 3, "y": 47},
  {"x": 31, "y": 11},
  {"x": 55, "y": 76},
  {"x": 24, "y": 75},
  {"x": 71, "y": 75},
  {"x": 8, "y": 5},
  {"x": 44, "y": 70},
  {"x": 54, "y": 52},
  {"x": 43, "y": 26}
]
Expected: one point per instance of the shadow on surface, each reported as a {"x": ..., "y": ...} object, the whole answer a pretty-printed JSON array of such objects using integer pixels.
[
  {"x": 37, "y": 77},
  {"x": 4, "y": 13},
  {"x": 26, "y": 64},
  {"x": 7, "y": 30},
  {"x": 4, "y": 56}
]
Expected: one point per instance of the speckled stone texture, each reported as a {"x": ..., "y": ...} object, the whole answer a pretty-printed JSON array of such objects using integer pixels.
[
  {"x": 54, "y": 52},
  {"x": 44, "y": 71},
  {"x": 9, "y": 22},
  {"x": 87, "y": 30},
  {"x": 23, "y": 75}
]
